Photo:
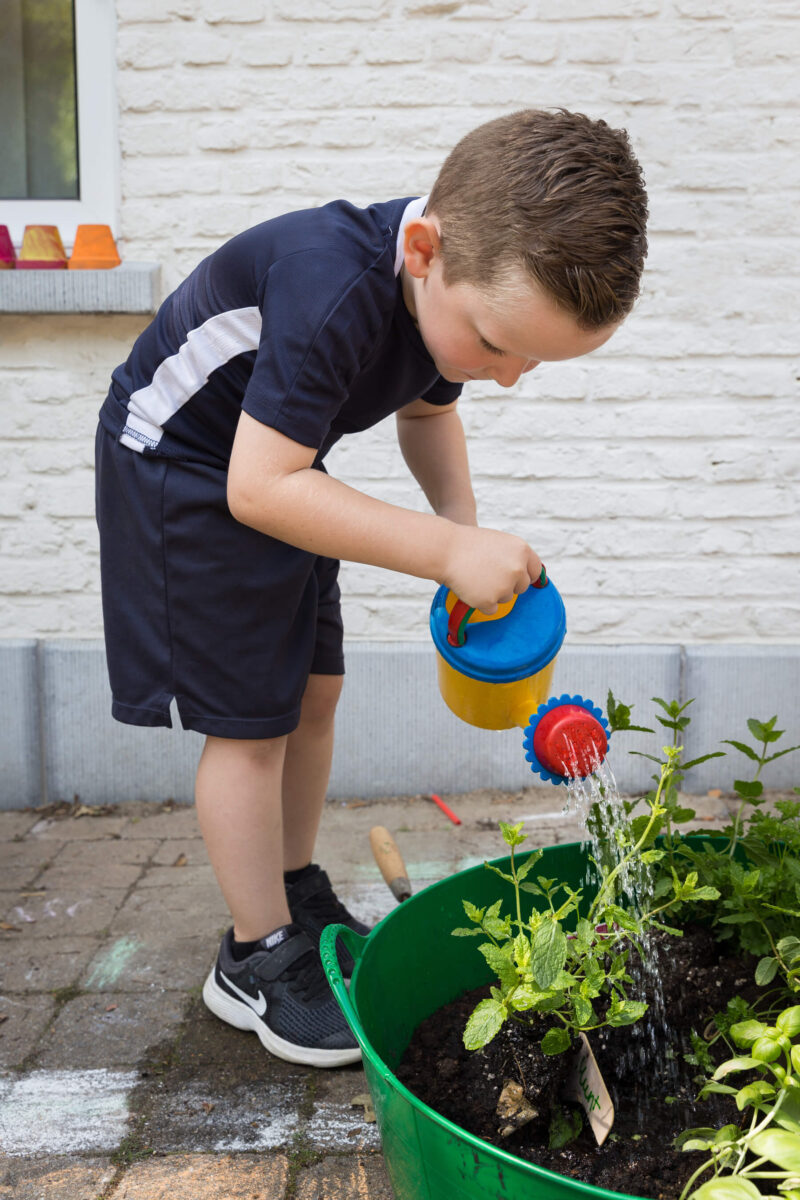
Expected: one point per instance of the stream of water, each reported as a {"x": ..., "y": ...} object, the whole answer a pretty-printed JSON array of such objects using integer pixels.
[{"x": 648, "y": 1058}]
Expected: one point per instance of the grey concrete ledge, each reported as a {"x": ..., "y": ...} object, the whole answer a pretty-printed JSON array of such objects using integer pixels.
[
  {"x": 395, "y": 735},
  {"x": 129, "y": 288}
]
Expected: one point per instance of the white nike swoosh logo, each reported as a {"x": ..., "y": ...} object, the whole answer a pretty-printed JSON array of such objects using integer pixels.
[{"x": 258, "y": 1006}]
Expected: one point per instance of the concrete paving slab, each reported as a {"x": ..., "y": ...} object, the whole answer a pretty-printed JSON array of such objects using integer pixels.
[
  {"x": 193, "y": 850},
  {"x": 135, "y": 964},
  {"x": 20, "y": 723},
  {"x": 110, "y": 1029},
  {"x": 205, "y": 1177},
  {"x": 43, "y": 967},
  {"x": 71, "y": 912},
  {"x": 25, "y": 1018},
  {"x": 81, "y": 829},
  {"x": 63, "y": 1112},
  {"x": 93, "y": 856},
  {"x": 185, "y": 912},
  {"x": 165, "y": 823},
  {"x": 17, "y": 824},
  {"x": 179, "y": 874},
  {"x": 56, "y": 1178},
  {"x": 207, "y": 1115},
  {"x": 342, "y": 1178},
  {"x": 22, "y": 862}
]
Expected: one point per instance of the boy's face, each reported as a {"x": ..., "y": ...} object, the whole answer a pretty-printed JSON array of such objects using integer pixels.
[{"x": 469, "y": 335}]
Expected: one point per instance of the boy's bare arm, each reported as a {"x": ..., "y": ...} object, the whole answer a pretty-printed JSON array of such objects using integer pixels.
[
  {"x": 272, "y": 488},
  {"x": 432, "y": 441}
]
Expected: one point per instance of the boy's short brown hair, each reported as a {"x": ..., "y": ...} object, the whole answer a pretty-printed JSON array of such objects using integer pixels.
[{"x": 555, "y": 193}]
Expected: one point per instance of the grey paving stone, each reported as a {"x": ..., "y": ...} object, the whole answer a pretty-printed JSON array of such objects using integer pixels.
[
  {"x": 179, "y": 875},
  {"x": 69, "y": 912},
  {"x": 15, "y": 824},
  {"x": 180, "y": 823},
  {"x": 22, "y": 862},
  {"x": 43, "y": 966},
  {"x": 335, "y": 1123},
  {"x": 184, "y": 911},
  {"x": 95, "y": 855},
  {"x": 110, "y": 1029},
  {"x": 192, "y": 848},
  {"x": 167, "y": 962},
  {"x": 63, "y": 1112},
  {"x": 26, "y": 1018},
  {"x": 205, "y": 1114},
  {"x": 206, "y": 1177},
  {"x": 81, "y": 829},
  {"x": 21, "y": 781}
]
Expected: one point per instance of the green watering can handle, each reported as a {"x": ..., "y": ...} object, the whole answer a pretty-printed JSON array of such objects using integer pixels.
[
  {"x": 355, "y": 943},
  {"x": 461, "y": 613}
]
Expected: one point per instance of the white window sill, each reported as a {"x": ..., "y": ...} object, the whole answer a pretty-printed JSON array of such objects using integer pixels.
[{"x": 129, "y": 288}]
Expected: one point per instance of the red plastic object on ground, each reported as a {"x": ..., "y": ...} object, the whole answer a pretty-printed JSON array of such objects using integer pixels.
[{"x": 570, "y": 741}]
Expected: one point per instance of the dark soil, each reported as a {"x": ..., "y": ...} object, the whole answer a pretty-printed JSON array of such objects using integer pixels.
[{"x": 651, "y": 1085}]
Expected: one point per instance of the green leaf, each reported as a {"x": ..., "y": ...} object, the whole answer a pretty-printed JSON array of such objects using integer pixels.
[
  {"x": 548, "y": 953},
  {"x": 556, "y": 1041},
  {"x": 565, "y": 1125},
  {"x": 748, "y": 789},
  {"x": 754, "y": 1093},
  {"x": 584, "y": 1013},
  {"x": 764, "y": 731},
  {"x": 703, "y": 1133},
  {"x": 703, "y": 758},
  {"x": 476, "y": 932},
  {"x": 779, "y": 1146},
  {"x": 727, "y": 1187},
  {"x": 473, "y": 912},
  {"x": 625, "y": 1012},
  {"x": 497, "y": 871},
  {"x": 734, "y": 1064},
  {"x": 511, "y": 833},
  {"x": 780, "y": 753},
  {"x": 744, "y": 1033},
  {"x": 500, "y": 962},
  {"x": 766, "y": 1049},
  {"x": 788, "y": 1022},
  {"x": 743, "y": 747},
  {"x": 766, "y": 970},
  {"x": 704, "y": 893},
  {"x": 485, "y": 1021},
  {"x": 639, "y": 825}
]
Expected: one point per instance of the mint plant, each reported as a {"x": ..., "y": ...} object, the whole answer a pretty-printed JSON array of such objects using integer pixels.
[{"x": 581, "y": 977}]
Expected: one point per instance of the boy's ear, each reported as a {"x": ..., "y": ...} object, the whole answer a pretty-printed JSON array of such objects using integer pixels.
[{"x": 421, "y": 245}]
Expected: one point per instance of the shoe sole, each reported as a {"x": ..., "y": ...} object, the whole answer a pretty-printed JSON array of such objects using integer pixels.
[{"x": 241, "y": 1017}]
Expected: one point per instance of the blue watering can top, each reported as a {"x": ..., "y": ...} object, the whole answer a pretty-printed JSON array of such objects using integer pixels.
[{"x": 514, "y": 646}]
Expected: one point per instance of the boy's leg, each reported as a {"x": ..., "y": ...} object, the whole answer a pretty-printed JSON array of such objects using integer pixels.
[
  {"x": 238, "y": 794},
  {"x": 307, "y": 768}
]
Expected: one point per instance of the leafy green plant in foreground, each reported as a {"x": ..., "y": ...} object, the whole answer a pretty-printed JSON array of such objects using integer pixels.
[
  {"x": 580, "y": 977},
  {"x": 769, "y": 1149}
]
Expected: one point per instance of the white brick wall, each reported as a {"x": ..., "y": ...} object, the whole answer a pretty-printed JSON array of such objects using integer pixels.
[{"x": 658, "y": 479}]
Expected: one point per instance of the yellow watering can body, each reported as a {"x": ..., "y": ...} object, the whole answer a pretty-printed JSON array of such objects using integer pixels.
[{"x": 496, "y": 672}]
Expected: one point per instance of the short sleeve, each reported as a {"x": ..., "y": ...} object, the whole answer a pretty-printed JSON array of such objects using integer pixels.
[
  {"x": 322, "y": 314},
  {"x": 442, "y": 392}
]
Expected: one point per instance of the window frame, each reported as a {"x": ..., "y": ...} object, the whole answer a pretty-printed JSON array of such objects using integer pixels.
[{"x": 98, "y": 145}]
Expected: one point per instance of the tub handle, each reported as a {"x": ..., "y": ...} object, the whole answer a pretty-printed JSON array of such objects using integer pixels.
[
  {"x": 355, "y": 943},
  {"x": 461, "y": 613}
]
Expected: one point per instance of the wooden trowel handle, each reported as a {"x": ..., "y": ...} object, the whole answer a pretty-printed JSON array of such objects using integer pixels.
[{"x": 390, "y": 861}]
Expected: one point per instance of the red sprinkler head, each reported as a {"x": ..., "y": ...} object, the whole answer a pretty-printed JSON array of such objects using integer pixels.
[{"x": 566, "y": 739}]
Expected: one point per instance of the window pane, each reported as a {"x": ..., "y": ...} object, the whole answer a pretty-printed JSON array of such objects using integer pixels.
[{"x": 38, "y": 132}]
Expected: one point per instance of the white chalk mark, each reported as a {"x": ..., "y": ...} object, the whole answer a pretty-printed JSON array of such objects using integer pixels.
[{"x": 64, "y": 1112}]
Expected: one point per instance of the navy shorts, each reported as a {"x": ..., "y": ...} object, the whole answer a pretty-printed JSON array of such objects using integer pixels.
[{"x": 196, "y": 606}]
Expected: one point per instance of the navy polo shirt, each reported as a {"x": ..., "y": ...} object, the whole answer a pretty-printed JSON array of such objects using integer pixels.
[{"x": 299, "y": 321}]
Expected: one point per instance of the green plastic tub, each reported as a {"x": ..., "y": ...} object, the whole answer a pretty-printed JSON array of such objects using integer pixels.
[{"x": 406, "y": 968}]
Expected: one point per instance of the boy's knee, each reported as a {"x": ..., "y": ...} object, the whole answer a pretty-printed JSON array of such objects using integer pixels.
[{"x": 320, "y": 698}]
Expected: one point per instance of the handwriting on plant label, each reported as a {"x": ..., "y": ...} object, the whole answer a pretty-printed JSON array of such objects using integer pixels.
[{"x": 586, "y": 1085}]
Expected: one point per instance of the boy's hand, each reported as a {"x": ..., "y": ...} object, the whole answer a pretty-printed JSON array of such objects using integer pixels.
[{"x": 486, "y": 568}]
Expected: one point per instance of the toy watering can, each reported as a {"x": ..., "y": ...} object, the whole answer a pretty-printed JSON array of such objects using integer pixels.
[{"x": 496, "y": 671}]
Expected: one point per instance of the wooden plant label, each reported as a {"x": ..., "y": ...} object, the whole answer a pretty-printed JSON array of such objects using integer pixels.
[{"x": 586, "y": 1085}]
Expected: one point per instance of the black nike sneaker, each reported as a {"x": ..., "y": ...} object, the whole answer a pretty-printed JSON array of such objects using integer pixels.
[
  {"x": 281, "y": 993},
  {"x": 313, "y": 904}
]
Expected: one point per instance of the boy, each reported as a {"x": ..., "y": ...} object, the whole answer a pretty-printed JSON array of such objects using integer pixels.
[{"x": 221, "y": 531}]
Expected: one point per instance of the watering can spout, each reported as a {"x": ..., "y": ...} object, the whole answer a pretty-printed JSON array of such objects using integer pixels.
[{"x": 566, "y": 738}]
